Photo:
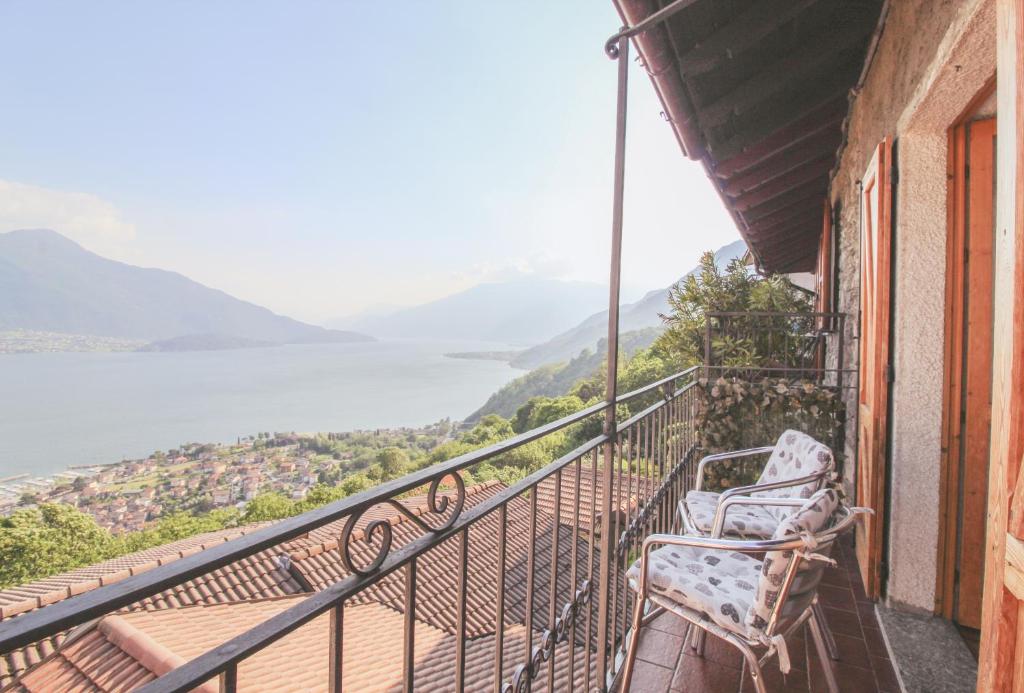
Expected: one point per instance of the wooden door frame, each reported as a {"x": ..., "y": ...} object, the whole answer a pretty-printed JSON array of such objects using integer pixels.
[
  {"x": 952, "y": 366},
  {"x": 872, "y": 490},
  {"x": 1001, "y": 662}
]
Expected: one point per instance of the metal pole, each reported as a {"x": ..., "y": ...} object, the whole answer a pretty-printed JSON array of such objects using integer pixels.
[{"x": 611, "y": 388}]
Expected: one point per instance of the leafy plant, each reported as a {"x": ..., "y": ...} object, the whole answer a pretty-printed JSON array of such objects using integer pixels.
[{"x": 734, "y": 414}]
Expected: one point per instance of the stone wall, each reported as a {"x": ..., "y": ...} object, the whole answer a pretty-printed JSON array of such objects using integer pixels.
[{"x": 931, "y": 59}]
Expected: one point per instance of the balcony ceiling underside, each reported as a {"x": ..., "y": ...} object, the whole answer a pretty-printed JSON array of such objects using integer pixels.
[{"x": 758, "y": 90}]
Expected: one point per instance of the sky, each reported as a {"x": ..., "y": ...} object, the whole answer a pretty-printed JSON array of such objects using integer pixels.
[{"x": 329, "y": 158}]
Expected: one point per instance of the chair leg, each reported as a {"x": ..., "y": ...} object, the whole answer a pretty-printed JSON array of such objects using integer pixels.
[
  {"x": 754, "y": 667},
  {"x": 826, "y": 632},
  {"x": 634, "y": 641},
  {"x": 827, "y": 665},
  {"x": 698, "y": 640}
]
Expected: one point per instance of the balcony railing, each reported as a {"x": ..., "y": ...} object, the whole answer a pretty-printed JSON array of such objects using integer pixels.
[
  {"x": 754, "y": 344},
  {"x": 537, "y": 590}
]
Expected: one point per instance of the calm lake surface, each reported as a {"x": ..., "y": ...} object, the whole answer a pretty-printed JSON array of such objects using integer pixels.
[{"x": 58, "y": 410}]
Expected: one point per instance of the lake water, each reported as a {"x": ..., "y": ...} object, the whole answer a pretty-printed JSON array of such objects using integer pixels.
[{"x": 63, "y": 409}]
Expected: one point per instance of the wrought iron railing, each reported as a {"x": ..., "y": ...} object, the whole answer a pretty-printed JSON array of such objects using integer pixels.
[
  {"x": 753, "y": 344},
  {"x": 556, "y": 588},
  {"x": 801, "y": 348}
]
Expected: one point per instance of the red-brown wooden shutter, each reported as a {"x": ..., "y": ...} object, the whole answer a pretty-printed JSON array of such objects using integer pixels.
[{"x": 872, "y": 413}]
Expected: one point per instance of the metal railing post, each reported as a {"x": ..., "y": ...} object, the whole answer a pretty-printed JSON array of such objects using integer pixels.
[{"x": 604, "y": 617}]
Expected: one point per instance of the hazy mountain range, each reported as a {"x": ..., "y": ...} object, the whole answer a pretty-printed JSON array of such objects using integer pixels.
[
  {"x": 50, "y": 283},
  {"x": 522, "y": 311},
  {"x": 632, "y": 316},
  {"x": 560, "y": 362}
]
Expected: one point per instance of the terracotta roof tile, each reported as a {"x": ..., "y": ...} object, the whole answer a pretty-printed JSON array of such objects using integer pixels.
[
  {"x": 591, "y": 495},
  {"x": 88, "y": 663},
  {"x": 372, "y": 653},
  {"x": 437, "y": 569},
  {"x": 254, "y": 579},
  {"x": 15, "y": 600},
  {"x": 59, "y": 587}
]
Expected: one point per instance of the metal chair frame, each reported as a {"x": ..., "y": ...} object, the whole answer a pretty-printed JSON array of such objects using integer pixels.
[
  {"x": 744, "y": 644},
  {"x": 740, "y": 495}
]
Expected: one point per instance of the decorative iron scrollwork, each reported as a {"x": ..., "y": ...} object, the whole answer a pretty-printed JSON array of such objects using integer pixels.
[
  {"x": 378, "y": 534},
  {"x": 524, "y": 674}
]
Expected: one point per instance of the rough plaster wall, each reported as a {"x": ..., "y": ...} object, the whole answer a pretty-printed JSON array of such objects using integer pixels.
[
  {"x": 932, "y": 58},
  {"x": 905, "y": 49}
]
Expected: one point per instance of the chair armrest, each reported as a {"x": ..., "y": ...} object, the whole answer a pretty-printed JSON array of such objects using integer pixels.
[
  {"x": 724, "y": 504},
  {"x": 739, "y": 545},
  {"x": 772, "y": 485},
  {"x": 718, "y": 457}
]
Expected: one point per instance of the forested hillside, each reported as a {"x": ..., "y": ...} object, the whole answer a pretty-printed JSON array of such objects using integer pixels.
[{"x": 557, "y": 379}]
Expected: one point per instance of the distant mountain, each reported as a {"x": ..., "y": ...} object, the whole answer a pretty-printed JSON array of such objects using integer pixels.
[
  {"x": 632, "y": 316},
  {"x": 520, "y": 311},
  {"x": 204, "y": 342},
  {"x": 50, "y": 283},
  {"x": 556, "y": 379}
]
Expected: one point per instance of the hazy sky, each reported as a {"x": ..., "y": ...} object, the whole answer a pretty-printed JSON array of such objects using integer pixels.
[{"x": 321, "y": 158}]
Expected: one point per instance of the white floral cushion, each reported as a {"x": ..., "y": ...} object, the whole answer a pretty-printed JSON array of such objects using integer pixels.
[
  {"x": 795, "y": 455},
  {"x": 746, "y": 521},
  {"x": 719, "y": 585},
  {"x": 812, "y": 517}
]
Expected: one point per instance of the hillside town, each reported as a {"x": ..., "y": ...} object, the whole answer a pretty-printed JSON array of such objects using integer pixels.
[{"x": 127, "y": 495}]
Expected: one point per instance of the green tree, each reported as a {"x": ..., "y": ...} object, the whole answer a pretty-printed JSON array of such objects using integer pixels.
[
  {"x": 491, "y": 429},
  {"x": 268, "y": 506},
  {"x": 49, "y": 539},
  {"x": 355, "y": 483},
  {"x": 735, "y": 289},
  {"x": 544, "y": 410},
  {"x": 393, "y": 462}
]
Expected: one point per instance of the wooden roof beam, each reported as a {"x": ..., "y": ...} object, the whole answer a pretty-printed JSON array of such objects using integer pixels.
[
  {"x": 791, "y": 257},
  {"x": 768, "y": 233},
  {"x": 818, "y": 169},
  {"x": 741, "y": 34},
  {"x": 780, "y": 215},
  {"x": 795, "y": 70},
  {"x": 813, "y": 188},
  {"x": 824, "y": 116},
  {"x": 749, "y": 137},
  {"x": 808, "y": 151}
]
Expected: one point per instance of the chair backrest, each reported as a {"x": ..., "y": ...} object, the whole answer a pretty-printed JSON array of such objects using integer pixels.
[
  {"x": 813, "y": 519},
  {"x": 795, "y": 455}
]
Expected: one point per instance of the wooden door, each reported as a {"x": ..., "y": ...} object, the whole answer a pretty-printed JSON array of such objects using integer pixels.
[
  {"x": 1001, "y": 661},
  {"x": 975, "y": 409},
  {"x": 873, "y": 397}
]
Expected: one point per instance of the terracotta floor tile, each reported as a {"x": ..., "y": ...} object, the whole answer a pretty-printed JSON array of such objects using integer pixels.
[
  {"x": 650, "y": 678},
  {"x": 704, "y": 675},
  {"x": 852, "y": 651},
  {"x": 851, "y": 679},
  {"x": 875, "y": 642},
  {"x": 670, "y": 623},
  {"x": 885, "y": 676},
  {"x": 858, "y": 590},
  {"x": 835, "y": 576},
  {"x": 843, "y": 622},
  {"x": 837, "y": 597},
  {"x": 794, "y": 682},
  {"x": 659, "y": 648},
  {"x": 868, "y": 617},
  {"x": 720, "y": 652}
]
